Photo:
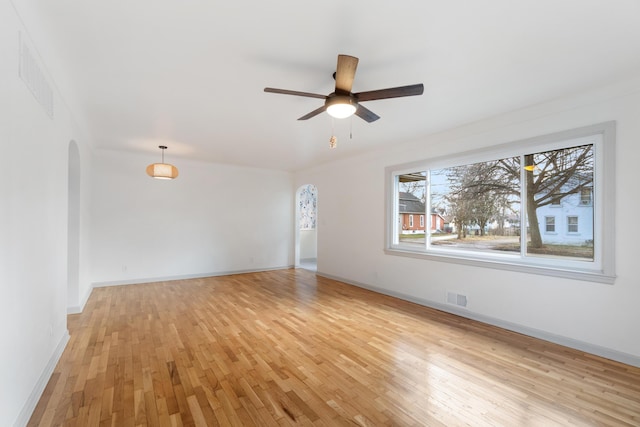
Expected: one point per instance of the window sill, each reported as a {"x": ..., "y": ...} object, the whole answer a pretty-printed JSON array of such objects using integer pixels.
[{"x": 505, "y": 264}]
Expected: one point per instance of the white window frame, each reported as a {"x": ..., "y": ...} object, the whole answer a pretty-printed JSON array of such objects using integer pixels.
[
  {"x": 422, "y": 221},
  {"x": 411, "y": 221},
  {"x": 588, "y": 200},
  {"x": 546, "y": 224},
  {"x": 570, "y": 224},
  {"x": 601, "y": 269}
]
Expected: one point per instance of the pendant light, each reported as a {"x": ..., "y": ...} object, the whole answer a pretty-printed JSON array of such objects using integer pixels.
[{"x": 162, "y": 170}]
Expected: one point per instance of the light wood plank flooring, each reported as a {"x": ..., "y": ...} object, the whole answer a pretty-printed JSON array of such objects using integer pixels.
[{"x": 286, "y": 347}]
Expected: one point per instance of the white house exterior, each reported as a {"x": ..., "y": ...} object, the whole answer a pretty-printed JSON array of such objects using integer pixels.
[{"x": 570, "y": 221}]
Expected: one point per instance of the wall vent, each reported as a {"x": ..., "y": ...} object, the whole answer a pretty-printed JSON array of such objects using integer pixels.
[
  {"x": 33, "y": 77},
  {"x": 456, "y": 299}
]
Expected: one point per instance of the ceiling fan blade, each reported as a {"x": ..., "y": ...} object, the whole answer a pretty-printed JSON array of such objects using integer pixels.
[
  {"x": 366, "y": 114},
  {"x": 345, "y": 72},
  {"x": 313, "y": 113},
  {"x": 393, "y": 92},
  {"x": 294, "y": 92}
]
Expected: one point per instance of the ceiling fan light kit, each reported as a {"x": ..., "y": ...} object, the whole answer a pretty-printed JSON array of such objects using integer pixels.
[
  {"x": 342, "y": 102},
  {"x": 340, "y": 106},
  {"x": 162, "y": 170}
]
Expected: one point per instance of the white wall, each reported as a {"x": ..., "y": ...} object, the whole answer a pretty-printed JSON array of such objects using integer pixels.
[
  {"x": 308, "y": 244},
  {"x": 33, "y": 227},
  {"x": 212, "y": 219},
  {"x": 79, "y": 225},
  {"x": 595, "y": 317}
]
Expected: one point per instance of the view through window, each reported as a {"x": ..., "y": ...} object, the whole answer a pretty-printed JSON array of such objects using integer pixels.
[
  {"x": 537, "y": 207},
  {"x": 480, "y": 204}
]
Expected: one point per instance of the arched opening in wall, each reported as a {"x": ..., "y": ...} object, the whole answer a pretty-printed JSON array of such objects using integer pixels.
[
  {"x": 73, "y": 230},
  {"x": 306, "y": 227}
]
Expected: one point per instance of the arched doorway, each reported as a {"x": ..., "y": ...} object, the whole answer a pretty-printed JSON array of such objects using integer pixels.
[
  {"x": 306, "y": 227},
  {"x": 73, "y": 229}
]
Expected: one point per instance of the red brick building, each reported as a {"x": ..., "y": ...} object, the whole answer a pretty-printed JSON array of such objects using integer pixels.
[{"x": 411, "y": 218}]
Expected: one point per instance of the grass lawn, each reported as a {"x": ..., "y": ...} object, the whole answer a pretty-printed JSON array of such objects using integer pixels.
[
  {"x": 412, "y": 236},
  {"x": 508, "y": 244},
  {"x": 553, "y": 250}
]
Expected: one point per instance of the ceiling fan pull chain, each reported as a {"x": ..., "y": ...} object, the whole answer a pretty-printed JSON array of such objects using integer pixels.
[{"x": 351, "y": 128}]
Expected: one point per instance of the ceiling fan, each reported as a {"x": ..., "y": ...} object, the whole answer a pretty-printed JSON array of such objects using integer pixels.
[{"x": 342, "y": 102}]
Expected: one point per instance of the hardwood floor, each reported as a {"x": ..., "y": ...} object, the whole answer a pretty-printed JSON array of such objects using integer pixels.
[{"x": 288, "y": 348}]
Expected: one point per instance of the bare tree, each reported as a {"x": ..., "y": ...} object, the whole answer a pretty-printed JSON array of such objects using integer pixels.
[
  {"x": 417, "y": 188},
  {"x": 482, "y": 192},
  {"x": 460, "y": 210},
  {"x": 478, "y": 193},
  {"x": 552, "y": 175}
]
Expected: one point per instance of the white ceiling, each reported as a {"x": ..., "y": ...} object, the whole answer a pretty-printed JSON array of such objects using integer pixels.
[{"x": 190, "y": 74}]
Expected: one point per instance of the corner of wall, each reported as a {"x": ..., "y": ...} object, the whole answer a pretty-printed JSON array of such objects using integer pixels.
[
  {"x": 77, "y": 309},
  {"x": 38, "y": 389}
]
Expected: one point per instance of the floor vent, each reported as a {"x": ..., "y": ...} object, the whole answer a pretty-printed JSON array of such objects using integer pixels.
[
  {"x": 32, "y": 76},
  {"x": 456, "y": 299}
]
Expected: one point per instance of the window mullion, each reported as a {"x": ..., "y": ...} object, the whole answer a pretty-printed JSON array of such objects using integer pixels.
[
  {"x": 396, "y": 209},
  {"x": 427, "y": 208},
  {"x": 523, "y": 208}
]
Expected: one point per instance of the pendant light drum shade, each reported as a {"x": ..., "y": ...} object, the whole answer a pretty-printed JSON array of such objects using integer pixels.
[{"x": 162, "y": 170}]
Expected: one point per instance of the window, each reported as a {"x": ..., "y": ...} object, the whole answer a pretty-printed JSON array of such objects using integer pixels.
[
  {"x": 585, "y": 195},
  {"x": 410, "y": 221},
  {"x": 550, "y": 224},
  {"x": 500, "y": 205},
  {"x": 421, "y": 221}
]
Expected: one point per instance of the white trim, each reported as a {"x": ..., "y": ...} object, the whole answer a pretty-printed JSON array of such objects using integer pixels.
[
  {"x": 80, "y": 308},
  {"x": 607, "y": 353},
  {"x": 546, "y": 224},
  {"x": 601, "y": 270},
  {"x": 182, "y": 277},
  {"x": 569, "y": 224},
  {"x": 502, "y": 264},
  {"x": 77, "y": 309},
  {"x": 38, "y": 389}
]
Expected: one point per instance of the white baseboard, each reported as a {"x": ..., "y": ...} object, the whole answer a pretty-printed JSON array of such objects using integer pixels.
[
  {"x": 594, "y": 349},
  {"x": 182, "y": 277},
  {"x": 79, "y": 308},
  {"x": 36, "y": 393}
]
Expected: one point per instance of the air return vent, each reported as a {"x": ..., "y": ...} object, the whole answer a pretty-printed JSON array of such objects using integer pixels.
[
  {"x": 32, "y": 75},
  {"x": 456, "y": 299}
]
